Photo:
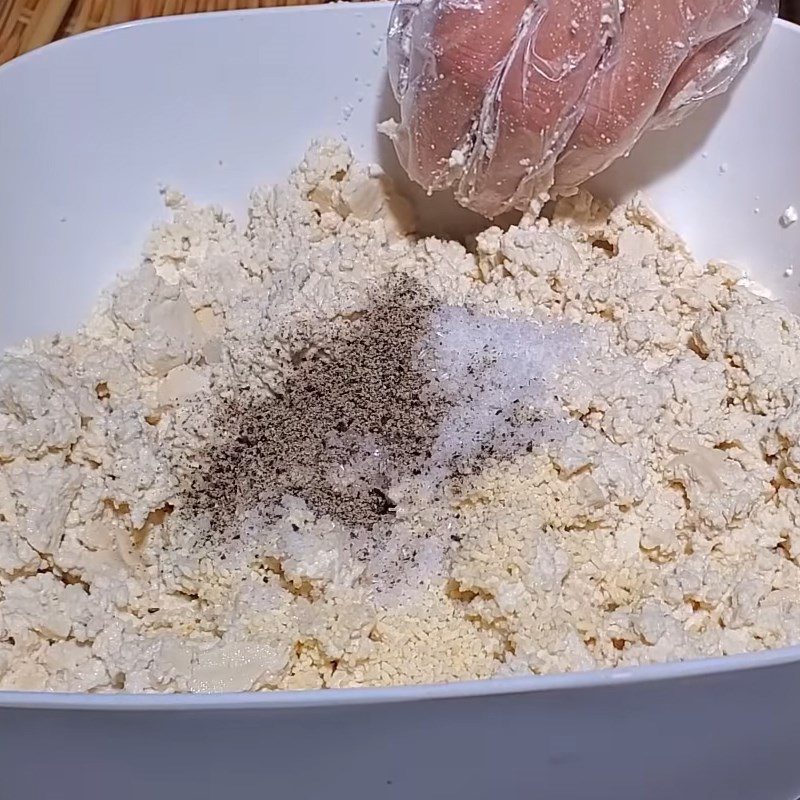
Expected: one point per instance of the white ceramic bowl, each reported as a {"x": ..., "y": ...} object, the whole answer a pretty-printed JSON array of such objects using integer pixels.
[{"x": 214, "y": 104}]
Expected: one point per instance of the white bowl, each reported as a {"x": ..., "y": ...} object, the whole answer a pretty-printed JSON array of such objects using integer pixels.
[{"x": 215, "y": 104}]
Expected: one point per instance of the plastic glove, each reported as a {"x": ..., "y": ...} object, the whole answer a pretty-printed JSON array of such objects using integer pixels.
[{"x": 512, "y": 101}]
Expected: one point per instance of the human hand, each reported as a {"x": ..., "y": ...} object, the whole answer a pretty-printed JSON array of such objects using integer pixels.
[{"x": 511, "y": 100}]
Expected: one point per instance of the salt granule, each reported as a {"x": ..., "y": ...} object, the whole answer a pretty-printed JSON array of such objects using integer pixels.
[{"x": 501, "y": 376}]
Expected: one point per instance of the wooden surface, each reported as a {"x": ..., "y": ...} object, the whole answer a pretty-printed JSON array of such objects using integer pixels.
[{"x": 27, "y": 24}]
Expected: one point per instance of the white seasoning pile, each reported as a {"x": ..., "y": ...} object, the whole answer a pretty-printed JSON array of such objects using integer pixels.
[
  {"x": 319, "y": 451},
  {"x": 502, "y": 377}
]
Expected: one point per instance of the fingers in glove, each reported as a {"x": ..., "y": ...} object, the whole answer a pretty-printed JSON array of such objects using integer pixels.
[
  {"x": 443, "y": 56},
  {"x": 656, "y": 39},
  {"x": 711, "y": 69},
  {"x": 534, "y": 102}
]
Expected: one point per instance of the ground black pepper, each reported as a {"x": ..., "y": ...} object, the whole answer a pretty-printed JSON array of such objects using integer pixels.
[{"x": 357, "y": 410}]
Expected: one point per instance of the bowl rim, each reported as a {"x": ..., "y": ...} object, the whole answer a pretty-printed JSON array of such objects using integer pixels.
[
  {"x": 357, "y": 696},
  {"x": 321, "y": 7},
  {"x": 316, "y": 698}
]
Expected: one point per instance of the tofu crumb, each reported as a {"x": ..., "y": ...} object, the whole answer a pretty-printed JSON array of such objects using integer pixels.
[
  {"x": 457, "y": 158},
  {"x": 320, "y": 451},
  {"x": 789, "y": 216}
]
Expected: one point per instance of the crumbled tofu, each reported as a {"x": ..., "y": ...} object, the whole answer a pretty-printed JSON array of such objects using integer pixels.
[
  {"x": 789, "y": 216},
  {"x": 579, "y": 449}
]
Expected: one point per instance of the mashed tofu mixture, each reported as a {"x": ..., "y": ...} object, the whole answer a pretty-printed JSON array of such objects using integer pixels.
[{"x": 319, "y": 451}]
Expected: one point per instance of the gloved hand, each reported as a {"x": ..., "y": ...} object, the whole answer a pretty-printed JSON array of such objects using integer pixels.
[{"x": 509, "y": 100}]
